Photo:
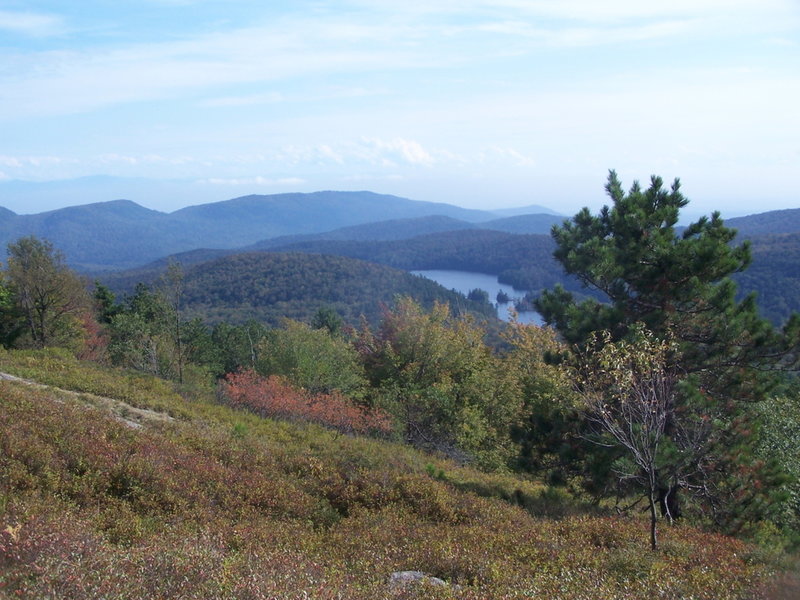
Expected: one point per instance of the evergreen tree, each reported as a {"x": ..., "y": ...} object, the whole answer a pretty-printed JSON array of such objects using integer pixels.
[
  {"x": 327, "y": 318},
  {"x": 678, "y": 286},
  {"x": 106, "y": 303}
]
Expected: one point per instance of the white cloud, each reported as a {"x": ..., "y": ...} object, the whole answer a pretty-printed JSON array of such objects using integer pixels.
[
  {"x": 508, "y": 155},
  {"x": 31, "y": 24},
  {"x": 397, "y": 149},
  {"x": 82, "y": 79},
  {"x": 19, "y": 162},
  {"x": 323, "y": 45}
]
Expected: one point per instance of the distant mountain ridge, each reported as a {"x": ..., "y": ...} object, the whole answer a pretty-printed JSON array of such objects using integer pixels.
[
  {"x": 768, "y": 223},
  {"x": 121, "y": 234},
  {"x": 495, "y": 246}
]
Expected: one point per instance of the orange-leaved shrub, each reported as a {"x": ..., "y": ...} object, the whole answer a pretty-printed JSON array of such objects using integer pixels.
[{"x": 275, "y": 397}]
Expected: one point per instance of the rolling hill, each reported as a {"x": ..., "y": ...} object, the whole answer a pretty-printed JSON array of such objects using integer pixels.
[
  {"x": 269, "y": 286},
  {"x": 526, "y": 262},
  {"x": 401, "y": 229}
]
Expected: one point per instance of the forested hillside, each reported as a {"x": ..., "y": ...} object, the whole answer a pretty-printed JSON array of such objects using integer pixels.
[
  {"x": 771, "y": 222},
  {"x": 269, "y": 286},
  {"x": 774, "y": 275},
  {"x": 526, "y": 262}
]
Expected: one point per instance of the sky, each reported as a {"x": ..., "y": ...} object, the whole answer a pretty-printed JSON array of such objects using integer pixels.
[{"x": 479, "y": 103}]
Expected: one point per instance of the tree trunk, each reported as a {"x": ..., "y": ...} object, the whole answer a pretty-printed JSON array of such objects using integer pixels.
[
  {"x": 669, "y": 502},
  {"x": 653, "y": 519}
]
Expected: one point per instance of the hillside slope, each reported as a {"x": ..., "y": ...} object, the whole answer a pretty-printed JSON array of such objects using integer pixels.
[
  {"x": 526, "y": 262},
  {"x": 217, "y": 503},
  {"x": 774, "y": 275}
]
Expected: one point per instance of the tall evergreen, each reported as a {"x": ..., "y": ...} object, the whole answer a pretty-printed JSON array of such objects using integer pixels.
[{"x": 677, "y": 285}]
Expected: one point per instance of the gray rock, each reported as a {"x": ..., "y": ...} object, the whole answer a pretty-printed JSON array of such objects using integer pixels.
[{"x": 403, "y": 578}]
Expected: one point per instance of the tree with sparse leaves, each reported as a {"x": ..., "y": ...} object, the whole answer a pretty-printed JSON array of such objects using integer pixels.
[{"x": 629, "y": 395}]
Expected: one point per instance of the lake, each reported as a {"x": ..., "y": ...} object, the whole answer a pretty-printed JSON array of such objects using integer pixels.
[{"x": 464, "y": 282}]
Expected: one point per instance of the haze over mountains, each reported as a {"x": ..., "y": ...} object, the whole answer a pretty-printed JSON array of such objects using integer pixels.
[
  {"x": 122, "y": 234},
  {"x": 404, "y": 234}
]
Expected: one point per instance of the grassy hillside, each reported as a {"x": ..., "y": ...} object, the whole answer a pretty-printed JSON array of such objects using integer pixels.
[{"x": 128, "y": 490}]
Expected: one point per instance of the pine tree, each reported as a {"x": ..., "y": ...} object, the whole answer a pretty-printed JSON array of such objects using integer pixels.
[{"x": 677, "y": 285}]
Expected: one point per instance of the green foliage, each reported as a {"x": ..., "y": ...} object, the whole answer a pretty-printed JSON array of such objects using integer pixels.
[
  {"x": 140, "y": 334},
  {"x": 329, "y": 319},
  {"x": 678, "y": 286},
  {"x": 478, "y": 295},
  {"x": 105, "y": 303},
  {"x": 548, "y": 433},
  {"x": 271, "y": 286},
  {"x": 524, "y": 261},
  {"x": 50, "y": 298},
  {"x": 773, "y": 275},
  {"x": 312, "y": 359},
  {"x": 236, "y": 346},
  {"x": 149, "y": 334},
  {"x": 629, "y": 394},
  {"x": 11, "y": 324},
  {"x": 778, "y": 440},
  {"x": 436, "y": 375}
]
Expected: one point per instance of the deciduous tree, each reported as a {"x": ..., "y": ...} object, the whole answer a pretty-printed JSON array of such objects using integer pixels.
[
  {"x": 49, "y": 295},
  {"x": 438, "y": 377},
  {"x": 629, "y": 394},
  {"x": 313, "y": 359}
]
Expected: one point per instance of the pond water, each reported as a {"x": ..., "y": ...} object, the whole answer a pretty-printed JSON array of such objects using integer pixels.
[{"x": 464, "y": 282}]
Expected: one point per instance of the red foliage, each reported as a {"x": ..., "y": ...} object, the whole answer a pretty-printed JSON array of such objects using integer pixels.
[
  {"x": 275, "y": 397},
  {"x": 95, "y": 339}
]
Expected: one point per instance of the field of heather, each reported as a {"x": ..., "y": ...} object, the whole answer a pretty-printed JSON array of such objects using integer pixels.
[{"x": 116, "y": 486}]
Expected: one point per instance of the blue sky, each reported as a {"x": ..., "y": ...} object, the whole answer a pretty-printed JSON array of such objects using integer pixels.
[{"x": 481, "y": 103}]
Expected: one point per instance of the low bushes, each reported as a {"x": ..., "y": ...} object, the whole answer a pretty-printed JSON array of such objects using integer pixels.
[{"x": 275, "y": 397}]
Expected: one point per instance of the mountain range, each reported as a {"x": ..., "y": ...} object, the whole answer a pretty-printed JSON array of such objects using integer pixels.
[
  {"x": 122, "y": 242},
  {"x": 122, "y": 234}
]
